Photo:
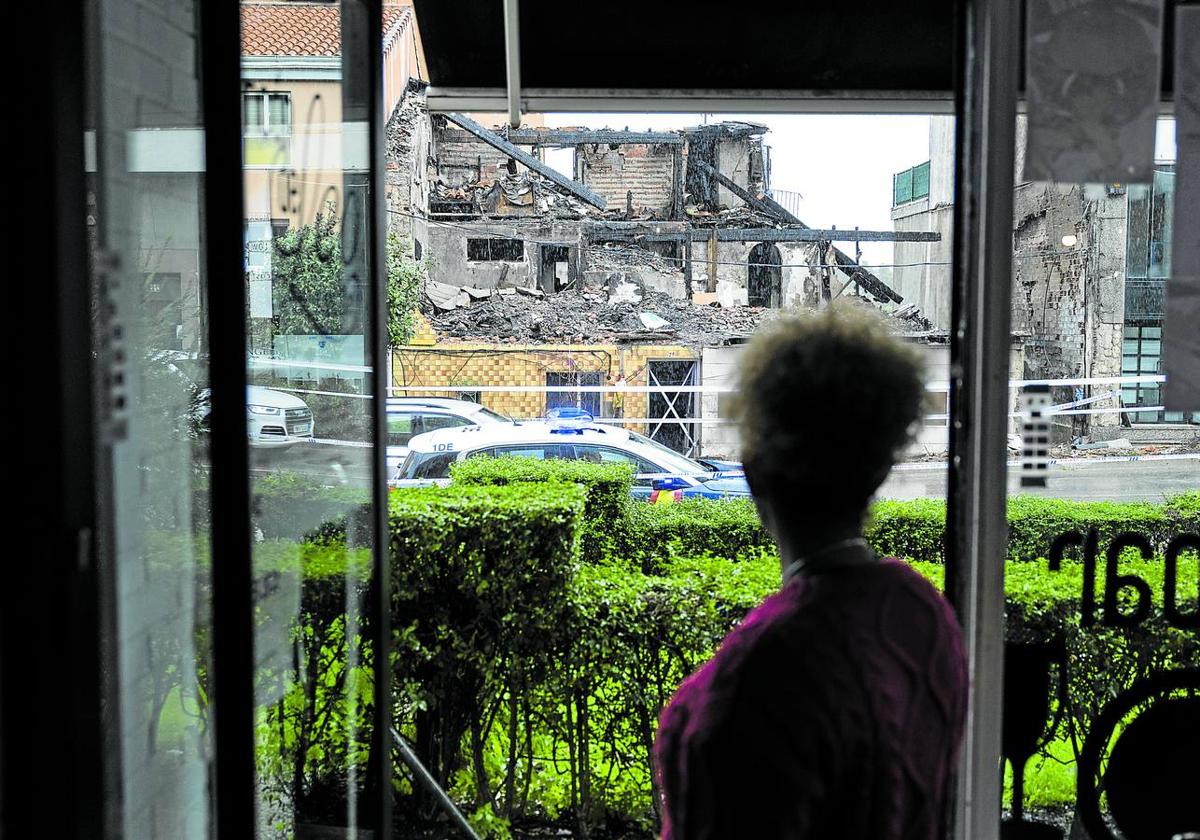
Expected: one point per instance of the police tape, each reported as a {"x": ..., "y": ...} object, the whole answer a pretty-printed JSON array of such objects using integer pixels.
[
  {"x": 359, "y": 444},
  {"x": 1100, "y": 459}
]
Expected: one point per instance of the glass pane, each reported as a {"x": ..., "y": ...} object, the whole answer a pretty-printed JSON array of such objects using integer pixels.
[
  {"x": 146, "y": 193},
  {"x": 253, "y": 115},
  {"x": 307, "y": 186},
  {"x": 280, "y": 116},
  {"x": 1138, "y": 231},
  {"x": 525, "y": 301},
  {"x": 1162, "y": 214},
  {"x": 1080, "y": 638}
]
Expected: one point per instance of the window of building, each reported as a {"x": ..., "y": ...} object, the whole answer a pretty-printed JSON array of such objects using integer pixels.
[
  {"x": 1141, "y": 354},
  {"x": 267, "y": 128},
  {"x": 1151, "y": 211},
  {"x": 1148, "y": 266},
  {"x": 495, "y": 250},
  {"x": 588, "y": 401},
  {"x": 764, "y": 280}
]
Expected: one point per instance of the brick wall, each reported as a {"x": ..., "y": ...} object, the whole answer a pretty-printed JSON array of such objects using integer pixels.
[
  {"x": 455, "y": 363},
  {"x": 647, "y": 170},
  {"x": 462, "y": 158}
]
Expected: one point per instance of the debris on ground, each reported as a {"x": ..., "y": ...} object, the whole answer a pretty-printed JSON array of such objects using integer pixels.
[
  {"x": 651, "y": 321},
  {"x": 592, "y": 316}
]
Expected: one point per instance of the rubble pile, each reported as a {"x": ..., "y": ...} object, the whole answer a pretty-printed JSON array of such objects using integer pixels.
[
  {"x": 615, "y": 256},
  {"x": 524, "y": 316},
  {"x": 523, "y": 194},
  {"x": 740, "y": 217},
  {"x": 910, "y": 319}
]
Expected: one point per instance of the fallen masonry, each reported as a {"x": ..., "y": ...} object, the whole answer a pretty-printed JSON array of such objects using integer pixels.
[{"x": 589, "y": 316}]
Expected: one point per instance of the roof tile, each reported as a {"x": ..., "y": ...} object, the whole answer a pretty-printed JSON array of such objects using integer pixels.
[{"x": 301, "y": 29}]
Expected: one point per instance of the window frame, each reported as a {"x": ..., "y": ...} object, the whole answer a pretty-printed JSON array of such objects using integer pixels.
[{"x": 264, "y": 132}]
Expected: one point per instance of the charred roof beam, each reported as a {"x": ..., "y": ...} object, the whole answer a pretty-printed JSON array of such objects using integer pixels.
[
  {"x": 529, "y": 161},
  {"x": 584, "y": 137},
  {"x": 567, "y": 137},
  {"x": 626, "y": 230},
  {"x": 763, "y": 203},
  {"x": 767, "y": 205}
]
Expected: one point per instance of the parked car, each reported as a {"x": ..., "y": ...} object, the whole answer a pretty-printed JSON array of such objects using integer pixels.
[
  {"x": 408, "y": 417},
  {"x": 274, "y": 419},
  {"x": 573, "y": 436}
]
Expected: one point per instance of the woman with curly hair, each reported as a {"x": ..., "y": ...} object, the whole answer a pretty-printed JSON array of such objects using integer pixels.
[{"x": 835, "y": 709}]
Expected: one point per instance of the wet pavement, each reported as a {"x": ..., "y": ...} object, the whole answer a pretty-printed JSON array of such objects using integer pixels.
[{"x": 1129, "y": 481}]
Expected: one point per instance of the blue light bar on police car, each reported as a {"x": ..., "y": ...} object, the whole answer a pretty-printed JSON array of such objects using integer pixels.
[{"x": 568, "y": 418}]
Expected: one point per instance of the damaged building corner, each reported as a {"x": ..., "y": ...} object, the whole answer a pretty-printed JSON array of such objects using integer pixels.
[{"x": 588, "y": 253}]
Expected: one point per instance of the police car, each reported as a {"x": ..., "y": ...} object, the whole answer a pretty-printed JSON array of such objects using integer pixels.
[
  {"x": 660, "y": 473},
  {"x": 408, "y": 417}
]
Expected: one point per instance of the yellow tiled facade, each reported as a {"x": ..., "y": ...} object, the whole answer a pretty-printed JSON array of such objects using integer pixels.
[{"x": 501, "y": 365}]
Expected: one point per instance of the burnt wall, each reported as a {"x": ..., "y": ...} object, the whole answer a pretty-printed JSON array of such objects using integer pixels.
[{"x": 646, "y": 170}]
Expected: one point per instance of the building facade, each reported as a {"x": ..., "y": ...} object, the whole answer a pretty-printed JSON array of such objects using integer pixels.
[{"x": 1089, "y": 267}]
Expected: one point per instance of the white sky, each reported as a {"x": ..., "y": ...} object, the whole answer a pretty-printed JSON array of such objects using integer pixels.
[{"x": 841, "y": 164}]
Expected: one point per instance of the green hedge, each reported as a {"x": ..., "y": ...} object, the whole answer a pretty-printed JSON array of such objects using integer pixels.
[
  {"x": 479, "y": 601},
  {"x": 694, "y": 527},
  {"x": 911, "y": 529},
  {"x": 531, "y": 682},
  {"x": 606, "y": 510}
]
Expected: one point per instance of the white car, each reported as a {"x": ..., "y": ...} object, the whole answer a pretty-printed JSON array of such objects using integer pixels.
[
  {"x": 275, "y": 418},
  {"x": 408, "y": 417}
]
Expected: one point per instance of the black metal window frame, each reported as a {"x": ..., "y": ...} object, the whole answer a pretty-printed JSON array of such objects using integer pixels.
[{"x": 233, "y": 629}]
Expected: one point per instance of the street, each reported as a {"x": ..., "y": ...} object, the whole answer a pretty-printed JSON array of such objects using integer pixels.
[
  {"x": 1127, "y": 481},
  {"x": 1131, "y": 481}
]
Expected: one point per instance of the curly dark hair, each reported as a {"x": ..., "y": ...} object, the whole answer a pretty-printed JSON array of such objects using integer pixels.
[{"x": 825, "y": 404}]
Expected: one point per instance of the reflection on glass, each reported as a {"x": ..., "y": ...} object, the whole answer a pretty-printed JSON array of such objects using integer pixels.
[
  {"x": 308, "y": 409},
  {"x": 145, "y": 190},
  {"x": 1089, "y": 266}
]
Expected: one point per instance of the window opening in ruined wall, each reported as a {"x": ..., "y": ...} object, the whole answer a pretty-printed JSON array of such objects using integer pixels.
[
  {"x": 495, "y": 250},
  {"x": 764, "y": 284}
]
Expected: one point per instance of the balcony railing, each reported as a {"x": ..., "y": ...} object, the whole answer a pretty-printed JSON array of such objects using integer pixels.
[{"x": 911, "y": 184}]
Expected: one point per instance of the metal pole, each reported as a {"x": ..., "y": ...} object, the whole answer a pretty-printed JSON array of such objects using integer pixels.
[
  {"x": 512, "y": 58},
  {"x": 976, "y": 530},
  {"x": 423, "y": 777},
  {"x": 378, "y": 606},
  {"x": 232, "y": 605}
]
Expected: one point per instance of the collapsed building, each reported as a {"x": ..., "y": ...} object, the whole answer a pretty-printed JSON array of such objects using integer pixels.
[
  {"x": 577, "y": 256},
  {"x": 1090, "y": 264}
]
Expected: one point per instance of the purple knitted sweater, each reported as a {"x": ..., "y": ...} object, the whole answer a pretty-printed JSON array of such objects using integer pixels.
[{"x": 833, "y": 711}]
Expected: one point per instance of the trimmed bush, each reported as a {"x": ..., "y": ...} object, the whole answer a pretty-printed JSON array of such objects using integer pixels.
[
  {"x": 694, "y": 527},
  {"x": 289, "y": 505},
  {"x": 608, "y": 486},
  {"x": 913, "y": 529},
  {"x": 531, "y": 682},
  {"x": 479, "y": 593}
]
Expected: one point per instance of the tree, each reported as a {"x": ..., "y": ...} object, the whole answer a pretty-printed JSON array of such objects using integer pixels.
[
  {"x": 311, "y": 291},
  {"x": 405, "y": 275}
]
